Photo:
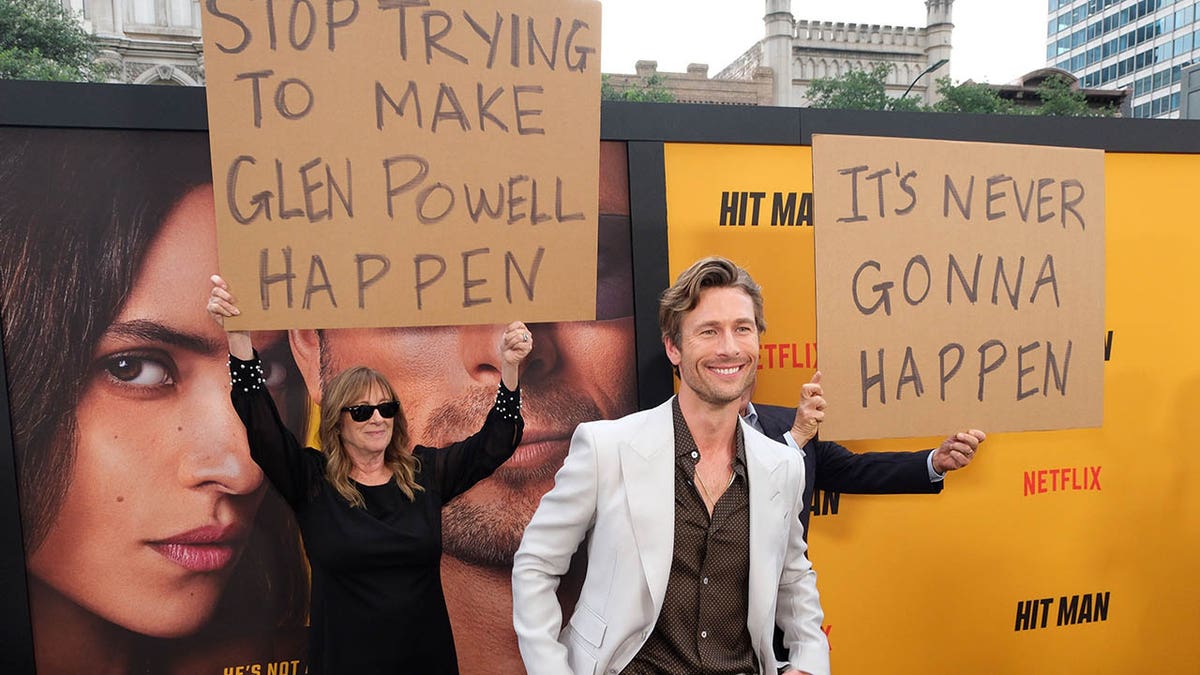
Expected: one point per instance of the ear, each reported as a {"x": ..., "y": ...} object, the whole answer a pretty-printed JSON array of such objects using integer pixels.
[
  {"x": 672, "y": 351},
  {"x": 306, "y": 350}
]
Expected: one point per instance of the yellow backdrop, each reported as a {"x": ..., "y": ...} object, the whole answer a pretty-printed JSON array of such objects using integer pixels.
[{"x": 961, "y": 582}]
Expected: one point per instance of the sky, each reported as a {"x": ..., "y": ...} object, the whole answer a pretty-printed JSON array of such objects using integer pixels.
[{"x": 994, "y": 41}]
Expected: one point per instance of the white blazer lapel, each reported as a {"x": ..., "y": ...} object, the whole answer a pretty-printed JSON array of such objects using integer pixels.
[
  {"x": 767, "y": 475},
  {"x": 648, "y": 472}
]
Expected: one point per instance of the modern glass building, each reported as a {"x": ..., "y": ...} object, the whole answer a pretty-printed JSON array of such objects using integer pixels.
[{"x": 1114, "y": 44}]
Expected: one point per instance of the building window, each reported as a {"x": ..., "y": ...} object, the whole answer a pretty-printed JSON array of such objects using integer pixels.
[
  {"x": 1184, "y": 16},
  {"x": 143, "y": 11},
  {"x": 166, "y": 13},
  {"x": 1141, "y": 86}
]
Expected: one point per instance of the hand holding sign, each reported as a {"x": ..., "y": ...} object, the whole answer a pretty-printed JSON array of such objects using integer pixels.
[
  {"x": 957, "y": 451},
  {"x": 222, "y": 304},
  {"x": 811, "y": 410},
  {"x": 515, "y": 345}
]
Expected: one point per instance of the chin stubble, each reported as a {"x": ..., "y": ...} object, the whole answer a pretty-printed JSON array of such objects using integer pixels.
[{"x": 487, "y": 532}]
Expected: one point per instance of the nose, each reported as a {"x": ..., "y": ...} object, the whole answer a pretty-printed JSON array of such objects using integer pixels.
[
  {"x": 479, "y": 348},
  {"x": 729, "y": 343},
  {"x": 216, "y": 453}
]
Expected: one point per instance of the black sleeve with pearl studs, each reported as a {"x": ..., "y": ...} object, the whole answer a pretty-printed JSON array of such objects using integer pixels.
[
  {"x": 293, "y": 470},
  {"x": 453, "y": 469}
]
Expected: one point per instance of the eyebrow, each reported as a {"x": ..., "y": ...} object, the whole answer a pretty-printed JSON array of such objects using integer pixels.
[
  {"x": 153, "y": 331},
  {"x": 718, "y": 323}
]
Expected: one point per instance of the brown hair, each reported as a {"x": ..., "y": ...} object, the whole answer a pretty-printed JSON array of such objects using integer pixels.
[
  {"x": 684, "y": 294},
  {"x": 343, "y": 390}
]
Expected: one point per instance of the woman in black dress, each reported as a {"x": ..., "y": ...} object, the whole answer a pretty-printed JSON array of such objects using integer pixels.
[{"x": 369, "y": 508}]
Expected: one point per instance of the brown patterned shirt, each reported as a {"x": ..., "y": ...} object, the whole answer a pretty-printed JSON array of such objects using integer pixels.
[{"x": 702, "y": 626}]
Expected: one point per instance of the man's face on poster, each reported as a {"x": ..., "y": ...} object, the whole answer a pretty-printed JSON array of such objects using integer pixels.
[{"x": 446, "y": 378}]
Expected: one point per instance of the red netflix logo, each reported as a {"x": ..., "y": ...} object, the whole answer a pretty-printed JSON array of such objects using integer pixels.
[
  {"x": 1041, "y": 481},
  {"x": 772, "y": 355}
]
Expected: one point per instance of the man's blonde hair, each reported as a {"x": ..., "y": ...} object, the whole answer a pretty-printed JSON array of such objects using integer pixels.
[{"x": 684, "y": 294}]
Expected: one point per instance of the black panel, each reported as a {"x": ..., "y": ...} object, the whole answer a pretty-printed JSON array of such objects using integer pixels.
[
  {"x": 693, "y": 123},
  {"x": 57, "y": 104},
  {"x": 16, "y": 634},
  {"x": 102, "y": 106},
  {"x": 1104, "y": 133},
  {"x": 651, "y": 274},
  {"x": 795, "y": 126}
]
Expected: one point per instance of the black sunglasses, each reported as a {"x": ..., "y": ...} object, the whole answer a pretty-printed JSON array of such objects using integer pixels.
[{"x": 362, "y": 413}]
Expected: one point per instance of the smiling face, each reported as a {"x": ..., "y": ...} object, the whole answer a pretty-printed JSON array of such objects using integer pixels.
[
  {"x": 162, "y": 491},
  {"x": 717, "y": 354},
  {"x": 372, "y": 436}
]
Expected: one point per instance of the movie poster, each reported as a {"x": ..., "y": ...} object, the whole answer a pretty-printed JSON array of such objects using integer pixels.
[
  {"x": 153, "y": 543},
  {"x": 1067, "y": 551}
]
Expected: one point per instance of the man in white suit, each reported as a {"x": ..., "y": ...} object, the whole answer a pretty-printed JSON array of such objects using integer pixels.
[{"x": 694, "y": 547}]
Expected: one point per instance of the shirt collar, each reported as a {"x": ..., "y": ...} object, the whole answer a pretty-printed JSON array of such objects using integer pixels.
[
  {"x": 685, "y": 444},
  {"x": 751, "y": 416}
]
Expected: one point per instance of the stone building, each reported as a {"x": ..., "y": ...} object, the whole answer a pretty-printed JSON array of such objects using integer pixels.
[
  {"x": 147, "y": 41},
  {"x": 158, "y": 42},
  {"x": 1024, "y": 91},
  {"x": 793, "y": 53},
  {"x": 695, "y": 86}
]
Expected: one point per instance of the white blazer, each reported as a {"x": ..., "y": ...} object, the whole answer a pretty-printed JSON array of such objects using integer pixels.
[{"x": 616, "y": 489}]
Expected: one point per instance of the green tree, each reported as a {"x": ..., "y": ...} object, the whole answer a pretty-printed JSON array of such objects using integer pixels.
[
  {"x": 651, "y": 89},
  {"x": 970, "y": 97},
  {"x": 858, "y": 90},
  {"x": 42, "y": 40},
  {"x": 1060, "y": 99}
]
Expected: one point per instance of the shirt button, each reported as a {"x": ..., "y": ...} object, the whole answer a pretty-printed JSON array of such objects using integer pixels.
[
  {"x": 703, "y": 633},
  {"x": 695, "y": 455},
  {"x": 704, "y": 581}
]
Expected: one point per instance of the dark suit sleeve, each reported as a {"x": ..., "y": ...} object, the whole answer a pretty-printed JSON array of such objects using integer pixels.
[
  {"x": 840, "y": 470},
  {"x": 837, "y": 469}
]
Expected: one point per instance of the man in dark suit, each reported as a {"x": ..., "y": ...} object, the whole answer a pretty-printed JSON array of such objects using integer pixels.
[{"x": 833, "y": 468}]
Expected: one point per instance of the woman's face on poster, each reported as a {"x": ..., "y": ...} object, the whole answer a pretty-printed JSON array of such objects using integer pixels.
[{"x": 162, "y": 492}]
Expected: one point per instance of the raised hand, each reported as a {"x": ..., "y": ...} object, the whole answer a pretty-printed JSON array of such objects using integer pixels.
[
  {"x": 957, "y": 451},
  {"x": 221, "y": 304},
  {"x": 810, "y": 412},
  {"x": 515, "y": 345}
]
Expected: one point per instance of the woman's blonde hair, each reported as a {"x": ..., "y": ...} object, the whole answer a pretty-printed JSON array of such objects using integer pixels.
[{"x": 345, "y": 389}]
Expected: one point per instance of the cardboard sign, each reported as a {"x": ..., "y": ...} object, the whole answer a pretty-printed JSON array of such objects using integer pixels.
[
  {"x": 405, "y": 162},
  {"x": 958, "y": 285}
]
